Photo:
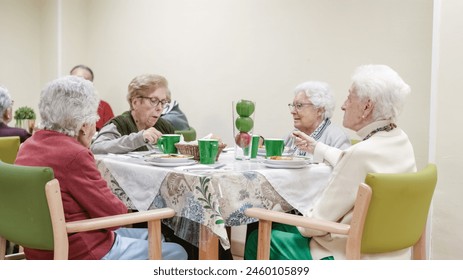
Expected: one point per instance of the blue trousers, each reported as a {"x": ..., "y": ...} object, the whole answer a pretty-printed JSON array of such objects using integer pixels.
[{"x": 132, "y": 244}]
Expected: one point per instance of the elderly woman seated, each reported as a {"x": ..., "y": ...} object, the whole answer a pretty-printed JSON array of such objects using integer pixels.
[
  {"x": 6, "y": 115},
  {"x": 375, "y": 100},
  {"x": 141, "y": 126},
  {"x": 312, "y": 108},
  {"x": 68, "y": 111}
]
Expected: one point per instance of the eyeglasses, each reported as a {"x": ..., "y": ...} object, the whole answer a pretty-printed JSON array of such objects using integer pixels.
[
  {"x": 298, "y": 106},
  {"x": 155, "y": 102}
]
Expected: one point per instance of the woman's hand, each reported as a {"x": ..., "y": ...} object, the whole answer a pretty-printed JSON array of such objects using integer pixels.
[
  {"x": 304, "y": 142},
  {"x": 151, "y": 135}
]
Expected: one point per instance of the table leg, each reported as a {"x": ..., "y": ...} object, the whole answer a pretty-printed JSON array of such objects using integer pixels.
[{"x": 208, "y": 244}]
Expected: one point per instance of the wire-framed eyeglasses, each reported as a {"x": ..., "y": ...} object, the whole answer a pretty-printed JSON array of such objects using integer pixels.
[
  {"x": 155, "y": 102},
  {"x": 298, "y": 106}
]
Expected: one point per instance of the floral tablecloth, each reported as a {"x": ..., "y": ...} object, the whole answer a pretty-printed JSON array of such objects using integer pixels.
[{"x": 213, "y": 198}]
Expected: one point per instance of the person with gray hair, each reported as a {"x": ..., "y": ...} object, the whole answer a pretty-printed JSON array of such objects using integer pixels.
[
  {"x": 312, "y": 109},
  {"x": 376, "y": 98},
  {"x": 139, "y": 128},
  {"x": 6, "y": 115},
  {"x": 68, "y": 109}
]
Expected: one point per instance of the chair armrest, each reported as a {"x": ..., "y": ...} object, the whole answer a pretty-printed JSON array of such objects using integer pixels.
[
  {"x": 119, "y": 220},
  {"x": 295, "y": 220}
]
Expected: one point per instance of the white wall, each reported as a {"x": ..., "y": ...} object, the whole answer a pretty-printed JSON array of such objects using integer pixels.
[
  {"x": 213, "y": 52},
  {"x": 20, "y": 63}
]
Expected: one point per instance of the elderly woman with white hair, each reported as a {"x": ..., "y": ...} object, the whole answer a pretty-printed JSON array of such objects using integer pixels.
[
  {"x": 6, "y": 115},
  {"x": 312, "y": 108},
  {"x": 68, "y": 110},
  {"x": 375, "y": 100}
]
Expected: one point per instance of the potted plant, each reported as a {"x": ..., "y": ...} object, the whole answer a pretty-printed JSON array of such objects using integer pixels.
[{"x": 25, "y": 118}]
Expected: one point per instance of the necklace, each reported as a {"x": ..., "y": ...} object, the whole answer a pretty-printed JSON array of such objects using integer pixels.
[{"x": 388, "y": 127}]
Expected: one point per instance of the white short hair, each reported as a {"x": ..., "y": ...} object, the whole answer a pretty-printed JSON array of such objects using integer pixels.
[
  {"x": 384, "y": 87},
  {"x": 5, "y": 100},
  {"x": 319, "y": 93},
  {"x": 66, "y": 104}
]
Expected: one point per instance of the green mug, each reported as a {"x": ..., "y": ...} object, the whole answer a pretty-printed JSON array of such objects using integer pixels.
[
  {"x": 208, "y": 149},
  {"x": 274, "y": 146},
  {"x": 255, "y": 145},
  {"x": 166, "y": 143}
]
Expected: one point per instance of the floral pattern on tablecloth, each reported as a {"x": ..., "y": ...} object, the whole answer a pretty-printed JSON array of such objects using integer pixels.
[{"x": 215, "y": 200}]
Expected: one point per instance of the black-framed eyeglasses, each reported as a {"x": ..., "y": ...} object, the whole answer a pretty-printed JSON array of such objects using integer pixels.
[
  {"x": 298, "y": 106},
  {"x": 155, "y": 102}
]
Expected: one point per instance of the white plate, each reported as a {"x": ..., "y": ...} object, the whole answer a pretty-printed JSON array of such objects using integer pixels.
[
  {"x": 295, "y": 161},
  {"x": 285, "y": 166},
  {"x": 172, "y": 164},
  {"x": 168, "y": 158},
  {"x": 143, "y": 153}
]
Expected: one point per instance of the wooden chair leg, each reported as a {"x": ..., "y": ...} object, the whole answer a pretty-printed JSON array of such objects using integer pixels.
[
  {"x": 263, "y": 243},
  {"x": 2, "y": 248},
  {"x": 154, "y": 240},
  {"x": 208, "y": 244},
  {"x": 419, "y": 249}
]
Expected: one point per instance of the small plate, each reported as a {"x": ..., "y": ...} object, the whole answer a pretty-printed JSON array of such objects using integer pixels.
[
  {"x": 168, "y": 158},
  {"x": 172, "y": 164},
  {"x": 285, "y": 166},
  {"x": 287, "y": 161}
]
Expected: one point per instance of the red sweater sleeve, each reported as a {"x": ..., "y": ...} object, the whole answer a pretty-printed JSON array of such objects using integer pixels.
[{"x": 89, "y": 190}]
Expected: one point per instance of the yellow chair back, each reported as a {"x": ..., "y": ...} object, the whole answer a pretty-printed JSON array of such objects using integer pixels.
[
  {"x": 9, "y": 147},
  {"x": 398, "y": 209}
]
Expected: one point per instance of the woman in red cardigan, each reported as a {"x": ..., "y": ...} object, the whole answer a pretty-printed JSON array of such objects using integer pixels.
[{"x": 68, "y": 110}]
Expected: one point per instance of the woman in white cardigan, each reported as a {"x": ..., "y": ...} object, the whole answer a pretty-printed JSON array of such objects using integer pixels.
[{"x": 375, "y": 99}]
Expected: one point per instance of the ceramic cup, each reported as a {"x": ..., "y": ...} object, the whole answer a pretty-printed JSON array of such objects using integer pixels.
[
  {"x": 208, "y": 149},
  {"x": 166, "y": 143},
  {"x": 274, "y": 146},
  {"x": 255, "y": 145}
]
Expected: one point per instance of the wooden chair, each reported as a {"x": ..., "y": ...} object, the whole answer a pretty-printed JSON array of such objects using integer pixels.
[
  {"x": 31, "y": 214},
  {"x": 390, "y": 214},
  {"x": 9, "y": 147}
]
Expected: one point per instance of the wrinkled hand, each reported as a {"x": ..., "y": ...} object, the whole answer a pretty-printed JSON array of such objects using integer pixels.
[
  {"x": 151, "y": 135},
  {"x": 304, "y": 142}
]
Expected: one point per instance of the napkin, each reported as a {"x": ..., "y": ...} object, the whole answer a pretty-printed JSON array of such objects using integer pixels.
[
  {"x": 140, "y": 193},
  {"x": 299, "y": 194}
]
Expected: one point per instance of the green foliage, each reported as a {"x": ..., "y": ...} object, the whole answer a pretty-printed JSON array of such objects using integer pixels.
[
  {"x": 207, "y": 199},
  {"x": 24, "y": 113}
]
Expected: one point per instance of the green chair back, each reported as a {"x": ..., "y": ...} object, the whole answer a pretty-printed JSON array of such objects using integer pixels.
[
  {"x": 9, "y": 147},
  {"x": 188, "y": 134},
  {"x": 398, "y": 209},
  {"x": 24, "y": 215}
]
